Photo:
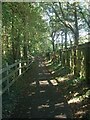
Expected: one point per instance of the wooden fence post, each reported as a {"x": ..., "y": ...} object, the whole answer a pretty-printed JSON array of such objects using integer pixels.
[
  {"x": 25, "y": 63},
  {"x": 20, "y": 71},
  {"x": 7, "y": 78}
]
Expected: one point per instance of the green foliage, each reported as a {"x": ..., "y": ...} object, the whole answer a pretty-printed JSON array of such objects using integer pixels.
[{"x": 24, "y": 31}]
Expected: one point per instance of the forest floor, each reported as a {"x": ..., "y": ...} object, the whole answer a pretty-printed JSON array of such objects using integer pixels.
[{"x": 45, "y": 91}]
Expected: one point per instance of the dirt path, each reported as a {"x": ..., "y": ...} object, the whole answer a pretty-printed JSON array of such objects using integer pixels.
[{"x": 40, "y": 98}]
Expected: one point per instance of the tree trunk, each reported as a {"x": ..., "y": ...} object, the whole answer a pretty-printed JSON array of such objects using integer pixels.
[
  {"x": 76, "y": 35},
  {"x": 13, "y": 44},
  {"x": 53, "y": 45},
  {"x": 66, "y": 51},
  {"x": 18, "y": 56},
  {"x": 25, "y": 40}
]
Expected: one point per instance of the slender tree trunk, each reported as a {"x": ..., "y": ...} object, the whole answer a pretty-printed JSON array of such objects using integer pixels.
[
  {"x": 25, "y": 41},
  {"x": 62, "y": 41},
  {"x": 65, "y": 38},
  {"x": 13, "y": 41},
  {"x": 53, "y": 45},
  {"x": 18, "y": 46},
  {"x": 25, "y": 48},
  {"x": 62, "y": 53},
  {"x": 67, "y": 62},
  {"x": 76, "y": 35}
]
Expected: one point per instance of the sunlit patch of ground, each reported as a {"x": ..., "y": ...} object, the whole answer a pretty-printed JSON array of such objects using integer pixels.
[
  {"x": 53, "y": 72},
  {"x": 42, "y": 91},
  {"x": 54, "y": 82},
  {"x": 75, "y": 90},
  {"x": 33, "y": 83},
  {"x": 48, "y": 63},
  {"x": 44, "y": 82},
  {"x": 43, "y": 106},
  {"x": 59, "y": 104},
  {"x": 61, "y": 116},
  {"x": 79, "y": 113},
  {"x": 32, "y": 93},
  {"x": 61, "y": 79},
  {"x": 74, "y": 100}
]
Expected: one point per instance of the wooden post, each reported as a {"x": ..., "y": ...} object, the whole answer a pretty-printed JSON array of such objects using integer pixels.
[
  {"x": 25, "y": 63},
  {"x": 20, "y": 71},
  {"x": 7, "y": 78}
]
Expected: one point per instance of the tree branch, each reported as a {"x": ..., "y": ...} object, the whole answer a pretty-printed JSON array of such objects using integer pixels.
[
  {"x": 84, "y": 17},
  {"x": 61, "y": 10},
  {"x": 65, "y": 23}
]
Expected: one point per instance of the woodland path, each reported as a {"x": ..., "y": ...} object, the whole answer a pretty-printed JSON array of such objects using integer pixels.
[{"x": 40, "y": 98}]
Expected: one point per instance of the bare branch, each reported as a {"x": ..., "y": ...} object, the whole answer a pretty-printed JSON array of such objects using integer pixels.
[
  {"x": 63, "y": 21},
  {"x": 84, "y": 17}
]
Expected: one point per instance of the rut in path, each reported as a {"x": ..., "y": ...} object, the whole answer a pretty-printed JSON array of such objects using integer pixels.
[{"x": 40, "y": 98}]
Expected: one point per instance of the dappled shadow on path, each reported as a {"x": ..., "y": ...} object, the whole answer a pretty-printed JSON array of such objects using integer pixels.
[
  {"x": 57, "y": 69},
  {"x": 75, "y": 90},
  {"x": 42, "y": 97}
]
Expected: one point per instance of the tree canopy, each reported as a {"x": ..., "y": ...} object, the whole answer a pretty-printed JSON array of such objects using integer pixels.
[
  {"x": 34, "y": 28},
  {"x": 24, "y": 31}
]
